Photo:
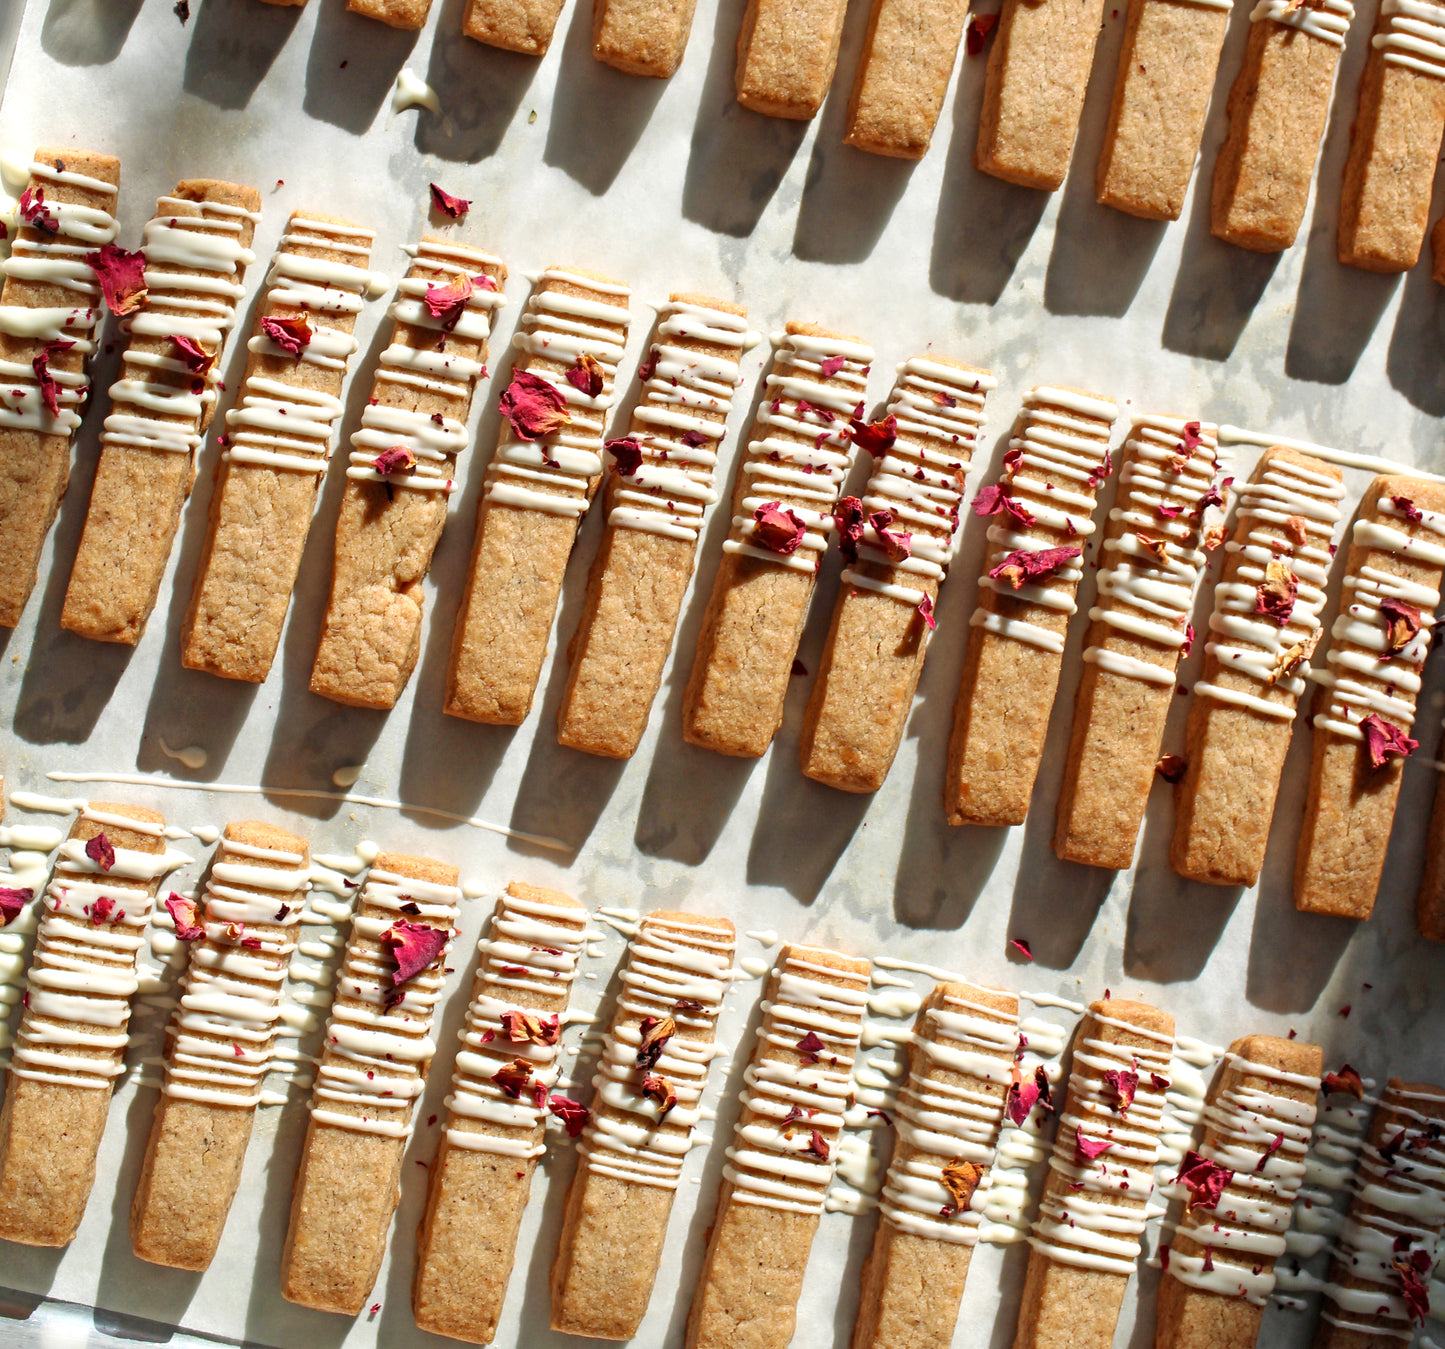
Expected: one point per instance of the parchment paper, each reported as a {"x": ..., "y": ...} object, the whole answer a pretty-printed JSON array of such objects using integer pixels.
[{"x": 672, "y": 186}]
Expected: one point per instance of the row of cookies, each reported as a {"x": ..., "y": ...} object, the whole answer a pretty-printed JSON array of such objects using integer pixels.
[{"x": 963, "y": 1089}]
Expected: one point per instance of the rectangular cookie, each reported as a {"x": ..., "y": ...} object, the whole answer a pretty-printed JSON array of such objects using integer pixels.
[
  {"x": 949, "y": 1114},
  {"x": 406, "y": 14},
  {"x": 1265, "y": 623},
  {"x": 1167, "y": 66},
  {"x": 537, "y": 489},
  {"x": 1390, "y": 1240},
  {"x": 1045, "y": 500},
  {"x": 784, "y": 497},
  {"x": 221, "y": 1041},
  {"x": 70, "y": 1047},
  {"x": 280, "y": 436},
  {"x": 402, "y": 472},
  {"x": 197, "y": 248},
  {"x": 642, "y": 37},
  {"x": 876, "y": 644},
  {"x": 787, "y": 53},
  {"x": 1277, "y": 110},
  {"x": 784, "y": 1151},
  {"x": 515, "y": 25},
  {"x": 377, "y": 1050},
  {"x": 1034, "y": 89},
  {"x": 50, "y": 312},
  {"x": 1377, "y": 648},
  {"x": 1086, "y": 1239},
  {"x": 1151, "y": 564},
  {"x": 656, "y": 500},
  {"x": 1219, "y": 1273},
  {"x": 1395, "y": 139},
  {"x": 649, "y": 1087},
  {"x": 496, "y": 1122},
  {"x": 908, "y": 57}
]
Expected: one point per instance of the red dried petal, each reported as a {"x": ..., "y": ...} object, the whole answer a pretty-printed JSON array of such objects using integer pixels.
[
  {"x": 810, "y": 1046},
  {"x": 572, "y": 1113},
  {"x": 512, "y": 1078},
  {"x": 101, "y": 910},
  {"x": 626, "y": 454},
  {"x": 831, "y": 365},
  {"x": 533, "y": 406},
  {"x": 979, "y": 27},
  {"x": 1402, "y": 622},
  {"x": 656, "y": 1032},
  {"x": 895, "y": 543},
  {"x": 876, "y": 437},
  {"x": 658, "y": 1089},
  {"x": 122, "y": 277},
  {"x": 34, "y": 212},
  {"x": 194, "y": 356},
  {"x": 776, "y": 529},
  {"x": 1346, "y": 1082},
  {"x": 1192, "y": 440},
  {"x": 1275, "y": 1144},
  {"x": 586, "y": 376},
  {"x": 448, "y": 302},
  {"x": 49, "y": 388},
  {"x": 187, "y": 916},
  {"x": 994, "y": 498},
  {"x": 456, "y": 207},
  {"x": 1022, "y": 947},
  {"x": 1021, "y": 1099},
  {"x": 1384, "y": 741},
  {"x": 1123, "y": 1082},
  {"x": 1408, "y": 509},
  {"x": 1205, "y": 1180},
  {"x": 1030, "y": 565},
  {"x": 12, "y": 900},
  {"x": 1086, "y": 1149},
  {"x": 414, "y": 947},
  {"x": 100, "y": 851},
  {"x": 1100, "y": 471},
  {"x": 925, "y": 612},
  {"x": 817, "y": 1146},
  {"x": 1414, "y": 1290},
  {"x": 1275, "y": 596},
  {"x": 292, "y": 335},
  {"x": 398, "y": 459},
  {"x": 848, "y": 517},
  {"x": 523, "y": 1026}
]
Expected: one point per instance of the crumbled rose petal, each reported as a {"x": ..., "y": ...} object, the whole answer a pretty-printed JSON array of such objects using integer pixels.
[
  {"x": 659, "y": 1090},
  {"x": 1384, "y": 741},
  {"x": 1207, "y": 1264},
  {"x": 398, "y": 459},
  {"x": 626, "y": 453},
  {"x": 1408, "y": 509},
  {"x": 1402, "y": 622},
  {"x": 1297, "y": 530},
  {"x": 1156, "y": 549},
  {"x": 1171, "y": 767},
  {"x": 1158, "y": 1081},
  {"x": 194, "y": 356},
  {"x": 830, "y": 365},
  {"x": 513, "y": 1078},
  {"x": 1275, "y": 1144},
  {"x": 1087, "y": 1149},
  {"x": 533, "y": 406},
  {"x": 809, "y": 1047},
  {"x": 1276, "y": 594},
  {"x": 101, "y": 910},
  {"x": 979, "y": 27},
  {"x": 49, "y": 386},
  {"x": 1021, "y": 1099},
  {"x": 531, "y": 1026},
  {"x": 100, "y": 851},
  {"x": 776, "y": 529},
  {"x": 1292, "y": 657},
  {"x": 1030, "y": 565},
  {"x": 187, "y": 916},
  {"x": 1413, "y": 1288},
  {"x": 1205, "y": 1180},
  {"x": 848, "y": 516},
  {"x": 1192, "y": 439},
  {"x": 12, "y": 900},
  {"x": 1123, "y": 1082},
  {"x": 573, "y": 1114},
  {"x": 817, "y": 1146},
  {"x": 414, "y": 947},
  {"x": 1346, "y": 1082},
  {"x": 656, "y": 1032},
  {"x": 292, "y": 335},
  {"x": 961, "y": 1179},
  {"x": 994, "y": 498},
  {"x": 925, "y": 612},
  {"x": 35, "y": 213},
  {"x": 449, "y": 302},
  {"x": 1188, "y": 644},
  {"x": 1022, "y": 947},
  {"x": 1100, "y": 471},
  {"x": 895, "y": 543},
  {"x": 456, "y": 207},
  {"x": 585, "y": 375},
  {"x": 875, "y": 437}
]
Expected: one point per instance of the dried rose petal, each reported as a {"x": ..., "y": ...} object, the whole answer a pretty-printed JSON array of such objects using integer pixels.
[
  {"x": 1297, "y": 530},
  {"x": 875, "y": 437},
  {"x": 12, "y": 900},
  {"x": 848, "y": 516},
  {"x": 1041, "y": 1082},
  {"x": 994, "y": 498},
  {"x": 1171, "y": 767},
  {"x": 1100, "y": 471},
  {"x": 1021, "y": 1099},
  {"x": 925, "y": 612},
  {"x": 1030, "y": 565},
  {"x": 657, "y": 1088},
  {"x": 776, "y": 529},
  {"x": 102, "y": 910},
  {"x": 1275, "y": 1144},
  {"x": 187, "y": 916},
  {"x": 100, "y": 851},
  {"x": 398, "y": 459},
  {"x": 533, "y": 406},
  {"x": 49, "y": 388},
  {"x": 817, "y": 1146},
  {"x": 1402, "y": 622},
  {"x": 1408, "y": 509},
  {"x": 1276, "y": 594},
  {"x": 895, "y": 543},
  {"x": 648, "y": 368},
  {"x": 1346, "y": 1082},
  {"x": 586, "y": 376},
  {"x": 656, "y": 1032},
  {"x": 292, "y": 335},
  {"x": 979, "y": 27},
  {"x": 1205, "y": 1180},
  {"x": 415, "y": 946},
  {"x": 1384, "y": 741},
  {"x": 456, "y": 207},
  {"x": 1156, "y": 549},
  {"x": 572, "y": 1113},
  {"x": 1414, "y": 1290},
  {"x": 530, "y": 1026},
  {"x": 448, "y": 302},
  {"x": 121, "y": 276},
  {"x": 809, "y": 1047},
  {"x": 1292, "y": 657},
  {"x": 830, "y": 365},
  {"x": 961, "y": 1179},
  {"x": 513, "y": 1078},
  {"x": 626, "y": 453},
  {"x": 1086, "y": 1149},
  {"x": 1192, "y": 439},
  {"x": 34, "y": 213},
  {"x": 1022, "y": 947},
  {"x": 194, "y": 356},
  {"x": 1123, "y": 1082},
  {"x": 1158, "y": 1081}
]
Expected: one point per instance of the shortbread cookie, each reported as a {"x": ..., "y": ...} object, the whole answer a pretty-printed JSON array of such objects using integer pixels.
[
  {"x": 197, "y": 248},
  {"x": 653, "y": 1070},
  {"x": 373, "y": 1068},
  {"x": 49, "y": 314},
  {"x": 903, "y": 75},
  {"x": 1395, "y": 139},
  {"x": 517, "y": 25},
  {"x": 876, "y": 644},
  {"x": 1277, "y": 111},
  {"x": 407, "y": 14},
  {"x": 1220, "y": 1268},
  {"x": 642, "y": 37},
  {"x": 497, "y": 1112},
  {"x": 1033, "y": 92},
  {"x": 948, "y": 1118},
  {"x": 538, "y": 486},
  {"x": 402, "y": 472},
  {"x": 656, "y": 499},
  {"x": 1151, "y": 563},
  {"x": 70, "y": 1047},
  {"x": 784, "y": 496},
  {"x": 787, "y": 53},
  {"x": 784, "y": 1151},
  {"x": 1086, "y": 1238},
  {"x": 1379, "y": 1280},
  {"x": 221, "y": 1043},
  {"x": 1056, "y": 460},
  {"x": 1377, "y": 648},
  {"x": 280, "y": 440},
  {"x": 1264, "y": 626},
  {"x": 1161, "y": 96}
]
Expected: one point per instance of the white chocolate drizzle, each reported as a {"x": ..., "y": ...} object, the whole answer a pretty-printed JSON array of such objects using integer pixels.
[
  {"x": 378, "y": 1044},
  {"x": 919, "y": 479},
  {"x": 433, "y": 441},
  {"x": 557, "y": 472},
  {"x": 673, "y": 486},
  {"x": 1329, "y": 20},
  {"x": 530, "y": 951},
  {"x": 670, "y": 961},
  {"x": 805, "y": 475},
  {"x": 1413, "y": 37}
]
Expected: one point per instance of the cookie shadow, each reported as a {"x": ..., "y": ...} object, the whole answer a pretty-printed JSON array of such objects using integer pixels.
[
  {"x": 233, "y": 45},
  {"x": 1413, "y": 364},
  {"x": 737, "y": 157},
  {"x": 480, "y": 89},
  {"x": 589, "y": 149},
  {"x": 1173, "y": 924},
  {"x": 374, "y": 54},
  {"x": 87, "y": 32}
]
